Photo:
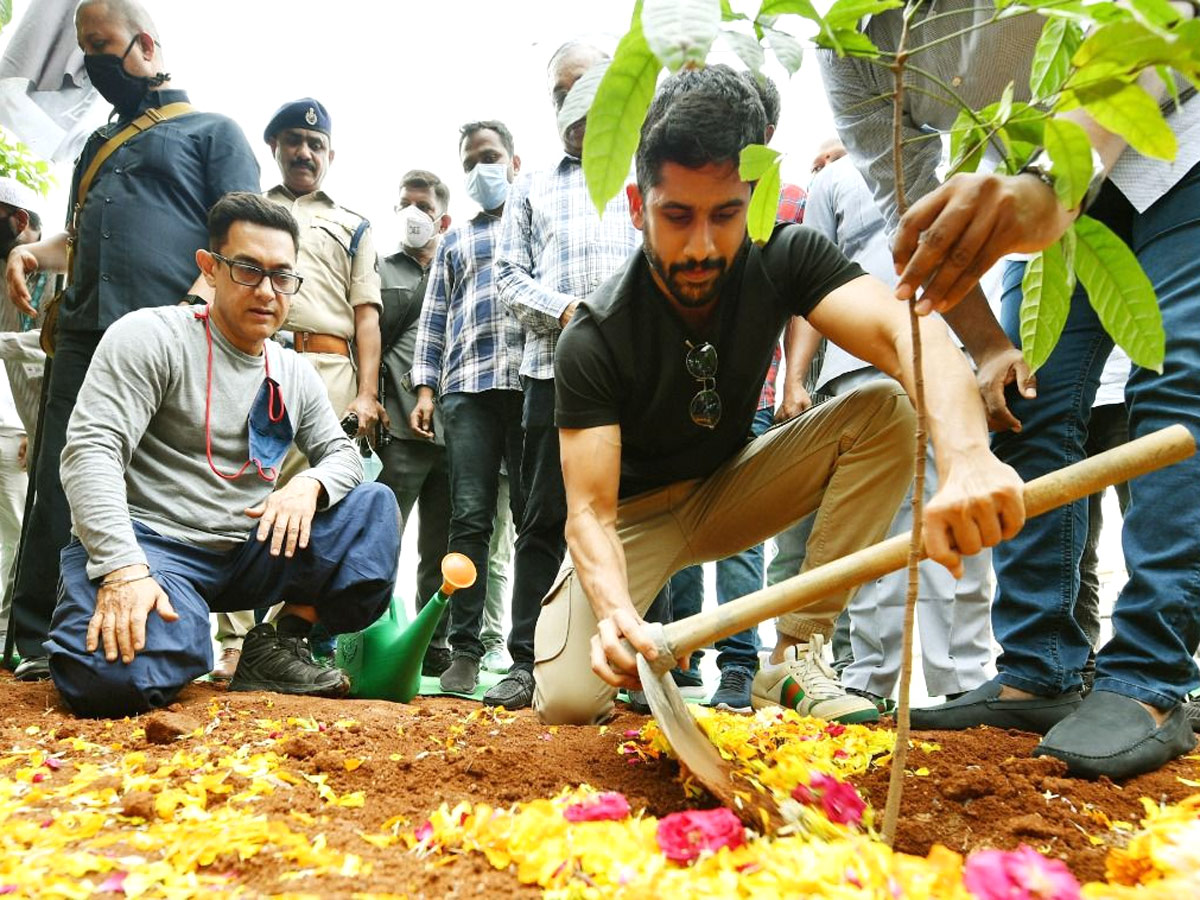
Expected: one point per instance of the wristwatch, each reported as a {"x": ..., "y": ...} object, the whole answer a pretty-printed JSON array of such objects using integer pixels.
[{"x": 1039, "y": 166}]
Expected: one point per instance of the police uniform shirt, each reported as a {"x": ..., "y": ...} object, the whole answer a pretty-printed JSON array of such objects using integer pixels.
[
  {"x": 146, "y": 211},
  {"x": 334, "y": 283}
]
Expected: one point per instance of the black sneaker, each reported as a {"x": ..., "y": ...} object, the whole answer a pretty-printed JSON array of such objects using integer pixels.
[
  {"x": 637, "y": 702},
  {"x": 733, "y": 691},
  {"x": 462, "y": 677},
  {"x": 284, "y": 664},
  {"x": 436, "y": 661}
]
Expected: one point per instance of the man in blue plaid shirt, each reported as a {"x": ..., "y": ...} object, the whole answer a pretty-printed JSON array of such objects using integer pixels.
[
  {"x": 554, "y": 251},
  {"x": 468, "y": 354}
]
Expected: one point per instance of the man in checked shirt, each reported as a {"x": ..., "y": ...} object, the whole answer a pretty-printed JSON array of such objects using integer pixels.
[
  {"x": 468, "y": 355},
  {"x": 554, "y": 251}
]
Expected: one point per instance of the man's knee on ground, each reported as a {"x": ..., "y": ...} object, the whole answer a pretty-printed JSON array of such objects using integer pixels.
[
  {"x": 562, "y": 705},
  {"x": 94, "y": 688}
]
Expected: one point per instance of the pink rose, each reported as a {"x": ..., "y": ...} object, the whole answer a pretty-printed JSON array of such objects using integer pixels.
[
  {"x": 610, "y": 806},
  {"x": 425, "y": 831},
  {"x": 683, "y": 836},
  {"x": 114, "y": 883},
  {"x": 839, "y": 800},
  {"x": 1021, "y": 874}
]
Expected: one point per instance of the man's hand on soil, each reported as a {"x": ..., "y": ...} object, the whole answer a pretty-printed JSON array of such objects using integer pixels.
[
  {"x": 286, "y": 515},
  {"x": 121, "y": 611},
  {"x": 980, "y": 502}
]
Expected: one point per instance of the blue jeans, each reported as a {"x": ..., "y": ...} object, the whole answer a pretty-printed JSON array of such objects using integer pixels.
[
  {"x": 346, "y": 574},
  {"x": 481, "y": 430},
  {"x": 737, "y": 576},
  {"x": 1156, "y": 620}
]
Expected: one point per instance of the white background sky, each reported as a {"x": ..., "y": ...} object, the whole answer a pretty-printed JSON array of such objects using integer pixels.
[{"x": 400, "y": 78}]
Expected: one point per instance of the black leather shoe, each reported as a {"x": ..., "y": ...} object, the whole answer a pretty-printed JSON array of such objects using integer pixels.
[
  {"x": 982, "y": 707},
  {"x": 1111, "y": 734},
  {"x": 33, "y": 668},
  {"x": 284, "y": 664},
  {"x": 514, "y": 691}
]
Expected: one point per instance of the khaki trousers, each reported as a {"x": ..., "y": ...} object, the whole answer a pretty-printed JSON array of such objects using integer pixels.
[{"x": 850, "y": 459}]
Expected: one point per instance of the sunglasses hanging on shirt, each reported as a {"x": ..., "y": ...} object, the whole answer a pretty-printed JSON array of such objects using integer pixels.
[{"x": 701, "y": 363}]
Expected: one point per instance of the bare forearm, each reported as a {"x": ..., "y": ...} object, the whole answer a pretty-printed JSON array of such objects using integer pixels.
[
  {"x": 599, "y": 561},
  {"x": 955, "y": 414},
  {"x": 367, "y": 343},
  {"x": 51, "y": 253},
  {"x": 976, "y": 326}
]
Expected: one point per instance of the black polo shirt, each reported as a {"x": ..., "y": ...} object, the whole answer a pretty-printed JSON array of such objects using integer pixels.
[
  {"x": 621, "y": 358},
  {"x": 145, "y": 213}
]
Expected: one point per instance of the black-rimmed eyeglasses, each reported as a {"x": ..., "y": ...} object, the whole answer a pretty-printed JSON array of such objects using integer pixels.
[
  {"x": 701, "y": 362},
  {"x": 248, "y": 275}
]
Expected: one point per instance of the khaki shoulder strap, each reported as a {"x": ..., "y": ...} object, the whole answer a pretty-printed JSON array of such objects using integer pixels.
[{"x": 148, "y": 119}]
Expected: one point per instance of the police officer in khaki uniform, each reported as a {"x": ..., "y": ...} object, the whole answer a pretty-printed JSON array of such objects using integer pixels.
[{"x": 334, "y": 319}]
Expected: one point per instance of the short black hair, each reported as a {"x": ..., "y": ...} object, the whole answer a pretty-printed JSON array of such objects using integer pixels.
[
  {"x": 423, "y": 178},
  {"x": 697, "y": 117},
  {"x": 495, "y": 125},
  {"x": 244, "y": 206},
  {"x": 35, "y": 221},
  {"x": 768, "y": 95}
]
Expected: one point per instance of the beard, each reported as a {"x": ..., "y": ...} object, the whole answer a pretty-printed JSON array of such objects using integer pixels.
[
  {"x": 689, "y": 296},
  {"x": 9, "y": 237}
]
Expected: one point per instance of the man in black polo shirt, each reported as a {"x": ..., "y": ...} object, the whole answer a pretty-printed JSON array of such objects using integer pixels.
[
  {"x": 658, "y": 376},
  {"x": 135, "y": 245}
]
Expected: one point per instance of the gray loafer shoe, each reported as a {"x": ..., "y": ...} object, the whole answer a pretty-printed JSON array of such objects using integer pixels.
[
  {"x": 982, "y": 706},
  {"x": 514, "y": 691},
  {"x": 1111, "y": 734}
]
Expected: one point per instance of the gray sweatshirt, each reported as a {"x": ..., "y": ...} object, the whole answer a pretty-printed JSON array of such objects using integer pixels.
[{"x": 136, "y": 440}]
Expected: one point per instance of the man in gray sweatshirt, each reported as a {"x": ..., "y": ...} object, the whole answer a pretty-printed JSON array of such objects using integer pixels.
[{"x": 169, "y": 468}]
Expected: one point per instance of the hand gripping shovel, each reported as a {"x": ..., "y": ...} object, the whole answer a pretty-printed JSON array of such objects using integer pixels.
[{"x": 678, "y": 639}]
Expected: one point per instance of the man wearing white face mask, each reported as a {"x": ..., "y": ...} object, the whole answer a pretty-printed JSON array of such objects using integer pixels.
[
  {"x": 414, "y": 467},
  {"x": 468, "y": 356}
]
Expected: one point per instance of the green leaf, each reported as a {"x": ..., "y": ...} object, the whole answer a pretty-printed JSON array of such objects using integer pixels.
[
  {"x": 1121, "y": 46},
  {"x": 967, "y": 143},
  {"x": 1120, "y": 293},
  {"x": 681, "y": 32},
  {"x": 1052, "y": 57},
  {"x": 788, "y": 50},
  {"x": 755, "y": 160},
  {"x": 5, "y": 12},
  {"x": 848, "y": 13},
  {"x": 615, "y": 119},
  {"x": 1127, "y": 110},
  {"x": 727, "y": 13},
  {"x": 1045, "y": 302},
  {"x": 1071, "y": 160},
  {"x": 795, "y": 7},
  {"x": 749, "y": 51},
  {"x": 764, "y": 202},
  {"x": 1156, "y": 12}
]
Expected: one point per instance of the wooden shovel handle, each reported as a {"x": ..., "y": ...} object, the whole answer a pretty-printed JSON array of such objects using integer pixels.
[{"x": 1146, "y": 454}]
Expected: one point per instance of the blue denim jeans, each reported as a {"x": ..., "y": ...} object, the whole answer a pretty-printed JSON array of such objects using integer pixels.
[
  {"x": 481, "y": 430},
  {"x": 1156, "y": 620},
  {"x": 737, "y": 576}
]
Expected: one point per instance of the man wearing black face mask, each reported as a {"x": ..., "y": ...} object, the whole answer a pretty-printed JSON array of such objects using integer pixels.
[{"x": 130, "y": 244}]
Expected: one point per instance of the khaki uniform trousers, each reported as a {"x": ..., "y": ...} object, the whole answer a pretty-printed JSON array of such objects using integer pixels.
[
  {"x": 850, "y": 459},
  {"x": 337, "y": 372}
]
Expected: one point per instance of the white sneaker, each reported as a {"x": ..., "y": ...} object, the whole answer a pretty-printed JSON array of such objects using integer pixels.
[{"x": 805, "y": 682}]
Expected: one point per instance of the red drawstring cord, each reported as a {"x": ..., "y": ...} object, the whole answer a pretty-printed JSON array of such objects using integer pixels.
[{"x": 272, "y": 394}]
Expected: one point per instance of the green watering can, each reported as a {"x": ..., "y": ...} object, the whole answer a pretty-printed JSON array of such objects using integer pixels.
[{"x": 384, "y": 660}]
